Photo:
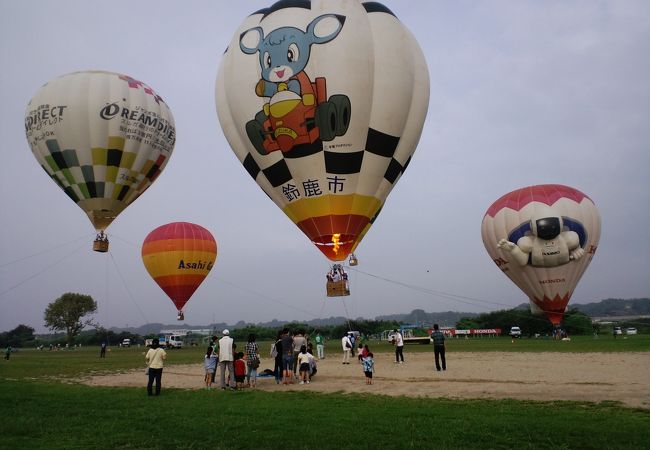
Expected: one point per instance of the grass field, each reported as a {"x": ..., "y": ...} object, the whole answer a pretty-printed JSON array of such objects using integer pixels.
[{"x": 44, "y": 407}]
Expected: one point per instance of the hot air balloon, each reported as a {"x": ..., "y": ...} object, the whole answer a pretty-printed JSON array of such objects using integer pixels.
[
  {"x": 323, "y": 103},
  {"x": 543, "y": 238},
  {"x": 179, "y": 256},
  {"x": 103, "y": 138}
]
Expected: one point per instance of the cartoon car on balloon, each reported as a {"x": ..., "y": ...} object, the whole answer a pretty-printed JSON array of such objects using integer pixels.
[
  {"x": 289, "y": 119},
  {"x": 297, "y": 111}
]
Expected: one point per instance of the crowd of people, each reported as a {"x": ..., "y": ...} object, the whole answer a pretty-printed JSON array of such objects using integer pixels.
[{"x": 292, "y": 353}]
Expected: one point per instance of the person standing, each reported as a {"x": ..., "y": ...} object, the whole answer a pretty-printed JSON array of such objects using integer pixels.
[
  {"x": 214, "y": 343},
  {"x": 320, "y": 345},
  {"x": 240, "y": 369},
  {"x": 276, "y": 354},
  {"x": 346, "y": 345},
  {"x": 298, "y": 341},
  {"x": 287, "y": 357},
  {"x": 8, "y": 352},
  {"x": 252, "y": 360},
  {"x": 398, "y": 339},
  {"x": 368, "y": 366},
  {"x": 439, "y": 347},
  {"x": 226, "y": 360},
  {"x": 102, "y": 350},
  {"x": 155, "y": 359},
  {"x": 210, "y": 364},
  {"x": 303, "y": 364}
]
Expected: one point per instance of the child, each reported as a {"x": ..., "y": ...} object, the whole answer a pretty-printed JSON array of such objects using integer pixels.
[
  {"x": 303, "y": 364},
  {"x": 240, "y": 370},
  {"x": 360, "y": 352},
  {"x": 368, "y": 367},
  {"x": 312, "y": 365},
  {"x": 210, "y": 364}
]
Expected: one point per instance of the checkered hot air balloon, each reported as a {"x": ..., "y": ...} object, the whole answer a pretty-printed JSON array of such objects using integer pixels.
[
  {"x": 102, "y": 137},
  {"x": 179, "y": 256},
  {"x": 323, "y": 102},
  {"x": 543, "y": 238}
]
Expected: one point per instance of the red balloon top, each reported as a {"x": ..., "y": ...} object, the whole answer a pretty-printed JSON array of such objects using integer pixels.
[{"x": 543, "y": 193}]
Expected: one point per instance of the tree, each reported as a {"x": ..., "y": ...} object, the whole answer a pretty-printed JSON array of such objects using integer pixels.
[
  {"x": 67, "y": 312},
  {"x": 20, "y": 336}
]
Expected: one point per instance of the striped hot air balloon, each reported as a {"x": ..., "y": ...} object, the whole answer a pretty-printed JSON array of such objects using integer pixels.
[
  {"x": 323, "y": 102},
  {"x": 179, "y": 256},
  {"x": 543, "y": 238}
]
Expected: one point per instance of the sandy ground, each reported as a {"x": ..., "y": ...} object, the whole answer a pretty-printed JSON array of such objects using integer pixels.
[{"x": 591, "y": 377}]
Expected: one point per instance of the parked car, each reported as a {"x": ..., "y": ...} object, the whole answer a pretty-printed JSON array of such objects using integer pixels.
[
  {"x": 515, "y": 332},
  {"x": 618, "y": 330},
  {"x": 630, "y": 331},
  {"x": 126, "y": 343}
]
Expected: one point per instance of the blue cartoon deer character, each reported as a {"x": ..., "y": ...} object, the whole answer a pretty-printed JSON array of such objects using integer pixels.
[{"x": 297, "y": 113}]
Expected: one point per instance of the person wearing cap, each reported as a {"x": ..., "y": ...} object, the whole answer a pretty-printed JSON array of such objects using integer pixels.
[{"x": 226, "y": 360}]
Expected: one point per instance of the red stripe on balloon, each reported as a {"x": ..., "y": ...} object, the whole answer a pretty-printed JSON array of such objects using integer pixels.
[
  {"x": 553, "y": 307},
  {"x": 321, "y": 230},
  {"x": 543, "y": 193}
]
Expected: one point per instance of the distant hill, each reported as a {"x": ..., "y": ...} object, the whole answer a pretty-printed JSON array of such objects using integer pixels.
[
  {"x": 608, "y": 307},
  {"x": 419, "y": 316},
  {"x": 616, "y": 307}
]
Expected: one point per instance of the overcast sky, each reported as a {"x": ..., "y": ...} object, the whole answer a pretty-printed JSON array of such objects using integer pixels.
[{"x": 522, "y": 93}]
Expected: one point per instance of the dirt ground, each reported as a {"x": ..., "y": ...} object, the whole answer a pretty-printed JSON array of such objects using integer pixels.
[{"x": 591, "y": 377}]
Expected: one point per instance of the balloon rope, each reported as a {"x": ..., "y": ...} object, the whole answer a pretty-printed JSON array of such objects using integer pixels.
[
  {"x": 347, "y": 316},
  {"x": 44, "y": 251},
  {"x": 250, "y": 291},
  {"x": 454, "y": 297},
  {"x": 113, "y": 236},
  {"x": 11, "y": 288},
  {"x": 106, "y": 295},
  {"x": 117, "y": 269}
]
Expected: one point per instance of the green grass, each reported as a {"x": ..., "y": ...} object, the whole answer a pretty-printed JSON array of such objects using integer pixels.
[{"x": 41, "y": 412}]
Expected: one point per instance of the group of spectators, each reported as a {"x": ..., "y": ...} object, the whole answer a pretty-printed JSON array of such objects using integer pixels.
[
  {"x": 237, "y": 369},
  {"x": 293, "y": 357},
  {"x": 292, "y": 354}
]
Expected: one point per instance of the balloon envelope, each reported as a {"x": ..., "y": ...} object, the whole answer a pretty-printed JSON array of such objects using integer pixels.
[
  {"x": 102, "y": 137},
  {"x": 543, "y": 238},
  {"x": 323, "y": 103},
  {"x": 179, "y": 256}
]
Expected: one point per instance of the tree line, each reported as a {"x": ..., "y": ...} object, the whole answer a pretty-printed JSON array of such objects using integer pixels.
[{"x": 69, "y": 314}]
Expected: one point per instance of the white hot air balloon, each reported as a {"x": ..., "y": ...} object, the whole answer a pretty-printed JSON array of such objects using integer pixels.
[
  {"x": 102, "y": 137},
  {"x": 323, "y": 102},
  {"x": 543, "y": 238}
]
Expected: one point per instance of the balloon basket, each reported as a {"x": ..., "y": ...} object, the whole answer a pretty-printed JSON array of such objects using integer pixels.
[
  {"x": 100, "y": 245},
  {"x": 337, "y": 288},
  {"x": 180, "y": 316}
]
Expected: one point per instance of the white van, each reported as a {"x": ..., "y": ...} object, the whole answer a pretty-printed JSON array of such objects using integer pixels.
[
  {"x": 126, "y": 343},
  {"x": 515, "y": 332},
  {"x": 630, "y": 331}
]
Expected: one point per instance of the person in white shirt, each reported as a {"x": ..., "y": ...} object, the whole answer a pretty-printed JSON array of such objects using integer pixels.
[
  {"x": 346, "y": 344},
  {"x": 398, "y": 340},
  {"x": 226, "y": 360}
]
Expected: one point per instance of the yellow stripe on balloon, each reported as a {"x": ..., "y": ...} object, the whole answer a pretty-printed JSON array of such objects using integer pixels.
[
  {"x": 169, "y": 263},
  {"x": 325, "y": 205}
]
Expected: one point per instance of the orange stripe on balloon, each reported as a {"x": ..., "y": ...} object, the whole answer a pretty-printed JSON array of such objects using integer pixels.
[
  {"x": 163, "y": 245},
  {"x": 171, "y": 280}
]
